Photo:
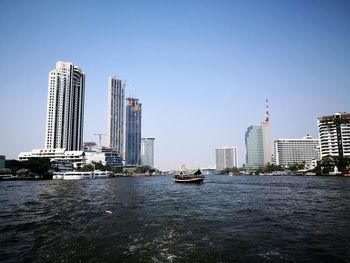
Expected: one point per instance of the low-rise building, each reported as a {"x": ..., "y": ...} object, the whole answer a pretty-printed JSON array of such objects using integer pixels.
[{"x": 57, "y": 156}]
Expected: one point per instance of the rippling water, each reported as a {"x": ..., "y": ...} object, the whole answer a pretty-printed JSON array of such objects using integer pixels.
[{"x": 151, "y": 219}]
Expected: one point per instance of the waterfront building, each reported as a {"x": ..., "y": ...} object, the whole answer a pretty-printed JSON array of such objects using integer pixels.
[
  {"x": 2, "y": 161},
  {"x": 257, "y": 142},
  {"x": 65, "y": 107},
  {"x": 147, "y": 151},
  {"x": 226, "y": 157},
  {"x": 58, "y": 156},
  {"x": 115, "y": 129},
  {"x": 110, "y": 158},
  {"x": 334, "y": 134},
  {"x": 133, "y": 131},
  {"x": 254, "y": 146},
  {"x": 291, "y": 151}
]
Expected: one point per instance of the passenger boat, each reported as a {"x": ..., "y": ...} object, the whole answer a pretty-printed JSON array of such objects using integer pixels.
[
  {"x": 77, "y": 175},
  {"x": 190, "y": 176},
  {"x": 57, "y": 176},
  {"x": 100, "y": 174}
]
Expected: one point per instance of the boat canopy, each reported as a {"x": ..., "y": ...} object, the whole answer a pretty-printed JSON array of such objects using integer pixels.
[{"x": 189, "y": 172}]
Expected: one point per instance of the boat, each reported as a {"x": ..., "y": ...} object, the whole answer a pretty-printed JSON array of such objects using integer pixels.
[
  {"x": 100, "y": 174},
  {"x": 189, "y": 176},
  {"x": 77, "y": 175},
  {"x": 57, "y": 176}
]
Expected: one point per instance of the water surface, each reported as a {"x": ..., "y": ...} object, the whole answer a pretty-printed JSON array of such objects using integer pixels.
[{"x": 151, "y": 219}]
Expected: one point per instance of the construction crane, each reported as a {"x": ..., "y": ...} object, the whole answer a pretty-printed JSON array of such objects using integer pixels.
[{"x": 100, "y": 138}]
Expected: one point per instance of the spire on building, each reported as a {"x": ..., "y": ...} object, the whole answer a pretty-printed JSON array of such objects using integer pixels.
[{"x": 267, "y": 114}]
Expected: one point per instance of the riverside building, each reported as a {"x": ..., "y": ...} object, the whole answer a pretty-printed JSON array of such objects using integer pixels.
[
  {"x": 334, "y": 133},
  {"x": 226, "y": 157},
  {"x": 257, "y": 142},
  {"x": 291, "y": 151},
  {"x": 59, "y": 157},
  {"x": 133, "y": 132},
  {"x": 115, "y": 129},
  {"x": 65, "y": 107},
  {"x": 147, "y": 151}
]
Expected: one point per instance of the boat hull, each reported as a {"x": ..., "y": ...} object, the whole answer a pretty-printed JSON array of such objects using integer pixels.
[{"x": 188, "y": 180}]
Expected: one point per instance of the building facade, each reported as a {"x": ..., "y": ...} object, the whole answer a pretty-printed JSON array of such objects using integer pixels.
[
  {"x": 147, "y": 151},
  {"x": 65, "y": 107},
  {"x": 257, "y": 143},
  {"x": 57, "y": 156},
  {"x": 115, "y": 127},
  {"x": 226, "y": 157},
  {"x": 133, "y": 132},
  {"x": 334, "y": 134},
  {"x": 2, "y": 161},
  {"x": 291, "y": 151},
  {"x": 254, "y": 146}
]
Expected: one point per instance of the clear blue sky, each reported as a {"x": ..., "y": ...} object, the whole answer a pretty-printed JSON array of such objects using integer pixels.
[{"x": 202, "y": 69}]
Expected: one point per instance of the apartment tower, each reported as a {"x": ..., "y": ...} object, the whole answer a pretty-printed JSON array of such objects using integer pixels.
[
  {"x": 147, "y": 151},
  {"x": 65, "y": 107},
  {"x": 115, "y": 127},
  {"x": 133, "y": 132},
  {"x": 226, "y": 157},
  {"x": 334, "y": 133}
]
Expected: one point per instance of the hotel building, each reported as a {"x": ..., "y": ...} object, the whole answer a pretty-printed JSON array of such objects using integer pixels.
[
  {"x": 291, "y": 151},
  {"x": 65, "y": 107},
  {"x": 334, "y": 133}
]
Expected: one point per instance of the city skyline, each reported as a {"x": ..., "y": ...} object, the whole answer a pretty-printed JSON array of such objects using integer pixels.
[{"x": 204, "y": 66}]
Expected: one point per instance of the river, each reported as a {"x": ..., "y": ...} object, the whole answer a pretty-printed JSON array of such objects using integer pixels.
[{"x": 152, "y": 219}]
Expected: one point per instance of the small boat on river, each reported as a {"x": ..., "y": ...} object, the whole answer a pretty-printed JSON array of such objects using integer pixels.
[{"x": 189, "y": 176}]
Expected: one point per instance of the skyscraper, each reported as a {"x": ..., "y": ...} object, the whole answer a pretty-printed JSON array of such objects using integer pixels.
[
  {"x": 115, "y": 129},
  {"x": 226, "y": 157},
  {"x": 254, "y": 146},
  {"x": 257, "y": 141},
  {"x": 65, "y": 107},
  {"x": 334, "y": 133},
  {"x": 147, "y": 151},
  {"x": 133, "y": 132}
]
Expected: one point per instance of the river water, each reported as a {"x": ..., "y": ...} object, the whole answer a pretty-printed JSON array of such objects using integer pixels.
[{"x": 152, "y": 219}]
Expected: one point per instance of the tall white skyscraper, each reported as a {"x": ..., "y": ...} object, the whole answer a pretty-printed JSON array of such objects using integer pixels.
[
  {"x": 147, "y": 151},
  {"x": 115, "y": 129},
  {"x": 65, "y": 107},
  {"x": 226, "y": 157}
]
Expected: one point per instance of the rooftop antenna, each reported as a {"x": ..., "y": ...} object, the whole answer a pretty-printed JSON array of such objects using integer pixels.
[{"x": 267, "y": 114}]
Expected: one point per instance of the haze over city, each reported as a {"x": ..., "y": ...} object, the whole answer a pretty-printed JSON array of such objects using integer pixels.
[{"x": 201, "y": 69}]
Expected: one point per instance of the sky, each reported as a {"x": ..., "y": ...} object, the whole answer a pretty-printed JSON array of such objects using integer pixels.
[{"x": 201, "y": 69}]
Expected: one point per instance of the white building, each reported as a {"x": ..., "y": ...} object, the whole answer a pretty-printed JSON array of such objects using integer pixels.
[
  {"x": 226, "y": 157},
  {"x": 115, "y": 127},
  {"x": 334, "y": 133},
  {"x": 65, "y": 107},
  {"x": 291, "y": 151},
  {"x": 147, "y": 151},
  {"x": 57, "y": 155}
]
